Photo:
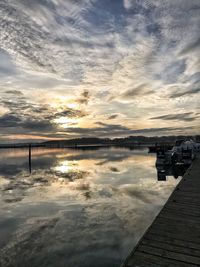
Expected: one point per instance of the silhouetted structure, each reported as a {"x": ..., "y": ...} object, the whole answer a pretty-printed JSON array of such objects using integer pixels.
[
  {"x": 174, "y": 170},
  {"x": 29, "y": 157}
]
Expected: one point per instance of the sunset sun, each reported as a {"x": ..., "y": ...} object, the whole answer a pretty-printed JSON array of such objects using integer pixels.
[{"x": 66, "y": 122}]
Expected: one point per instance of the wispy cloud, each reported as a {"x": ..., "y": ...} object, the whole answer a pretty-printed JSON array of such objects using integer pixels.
[
  {"x": 188, "y": 116},
  {"x": 128, "y": 57},
  {"x": 186, "y": 92}
]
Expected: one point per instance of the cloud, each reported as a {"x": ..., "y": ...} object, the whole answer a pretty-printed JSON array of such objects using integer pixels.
[
  {"x": 171, "y": 72},
  {"x": 140, "y": 90},
  {"x": 26, "y": 116},
  {"x": 84, "y": 97},
  {"x": 191, "y": 47},
  {"x": 136, "y": 92},
  {"x": 71, "y": 113},
  {"x": 188, "y": 92},
  {"x": 39, "y": 44},
  {"x": 113, "y": 116},
  {"x": 20, "y": 30},
  {"x": 14, "y": 92},
  {"x": 116, "y": 130},
  {"x": 110, "y": 57},
  {"x": 187, "y": 116},
  {"x": 7, "y": 67},
  {"x": 9, "y": 120}
]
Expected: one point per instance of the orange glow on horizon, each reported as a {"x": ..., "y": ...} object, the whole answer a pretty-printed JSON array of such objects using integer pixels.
[{"x": 29, "y": 136}]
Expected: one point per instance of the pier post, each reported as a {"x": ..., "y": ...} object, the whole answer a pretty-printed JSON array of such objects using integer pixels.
[{"x": 29, "y": 158}]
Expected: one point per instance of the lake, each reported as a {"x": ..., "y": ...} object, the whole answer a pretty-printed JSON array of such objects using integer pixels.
[{"x": 77, "y": 208}]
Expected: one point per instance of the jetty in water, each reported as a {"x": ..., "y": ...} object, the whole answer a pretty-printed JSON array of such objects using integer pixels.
[{"x": 173, "y": 239}]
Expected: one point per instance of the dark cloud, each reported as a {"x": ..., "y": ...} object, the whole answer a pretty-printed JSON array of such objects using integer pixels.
[
  {"x": 23, "y": 115},
  {"x": 25, "y": 109},
  {"x": 18, "y": 104},
  {"x": 71, "y": 113},
  {"x": 114, "y": 169},
  {"x": 38, "y": 125},
  {"x": 137, "y": 91},
  {"x": 112, "y": 117},
  {"x": 14, "y": 92},
  {"x": 12, "y": 121},
  {"x": 84, "y": 98},
  {"x": 180, "y": 93},
  {"x": 119, "y": 130},
  {"x": 9, "y": 120},
  {"x": 85, "y": 94},
  {"x": 188, "y": 116}
]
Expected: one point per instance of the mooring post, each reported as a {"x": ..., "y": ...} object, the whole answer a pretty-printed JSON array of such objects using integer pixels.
[{"x": 30, "y": 158}]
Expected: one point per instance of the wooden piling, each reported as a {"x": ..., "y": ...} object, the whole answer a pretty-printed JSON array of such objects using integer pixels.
[{"x": 29, "y": 158}]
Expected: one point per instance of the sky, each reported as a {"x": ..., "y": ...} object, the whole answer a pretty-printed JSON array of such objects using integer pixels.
[{"x": 103, "y": 68}]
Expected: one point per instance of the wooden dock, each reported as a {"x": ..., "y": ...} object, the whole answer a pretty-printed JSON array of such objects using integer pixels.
[{"x": 173, "y": 239}]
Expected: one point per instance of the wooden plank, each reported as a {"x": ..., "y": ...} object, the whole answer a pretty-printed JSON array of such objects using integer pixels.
[
  {"x": 144, "y": 260},
  {"x": 185, "y": 207},
  {"x": 171, "y": 247},
  {"x": 183, "y": 210},
  {"x": 169, "y": 254},
  {"x": 186, "y": 238},
  {"x": 185, "y": 200},
  {"x": 173, "y": 239},
  {"x": 176, "y": 232},
  {"x": 182, "y": 214},
  {"x": 183, "y": 204},
  {"x": 179, "y": 221}
]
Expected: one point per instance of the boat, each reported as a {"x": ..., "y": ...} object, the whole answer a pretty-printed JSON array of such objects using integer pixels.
[
  {"x": 184, "y": 151},
  {"x": 185, "y": 145}
]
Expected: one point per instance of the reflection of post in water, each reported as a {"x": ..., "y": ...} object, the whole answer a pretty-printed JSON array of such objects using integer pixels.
[{"x": 29, "y": 158}]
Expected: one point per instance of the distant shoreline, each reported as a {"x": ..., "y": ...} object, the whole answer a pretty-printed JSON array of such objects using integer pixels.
[
  {"x": 93, "y": 142},
  {"x": 72, "y": 146},
  {"x": 7, "y": 146}
]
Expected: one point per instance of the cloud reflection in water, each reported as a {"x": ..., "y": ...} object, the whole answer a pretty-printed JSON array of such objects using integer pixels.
[{"x": 75, "y": 211}]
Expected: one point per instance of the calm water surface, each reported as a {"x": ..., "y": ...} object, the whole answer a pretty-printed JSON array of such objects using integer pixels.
[{"x": 77, "y": 208}]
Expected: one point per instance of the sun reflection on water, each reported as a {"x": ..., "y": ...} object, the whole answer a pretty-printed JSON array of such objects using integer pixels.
[
  {"x": 66, "y": 166},
  {"x": 75, "y": 193}
]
